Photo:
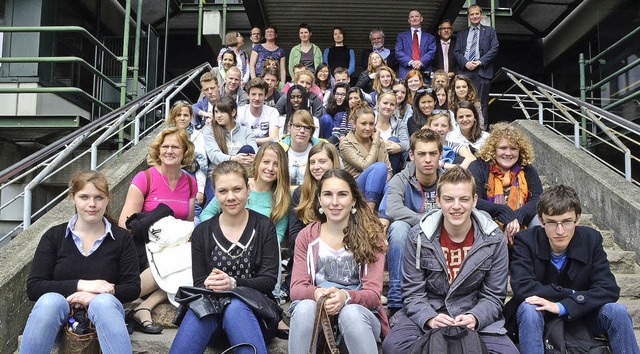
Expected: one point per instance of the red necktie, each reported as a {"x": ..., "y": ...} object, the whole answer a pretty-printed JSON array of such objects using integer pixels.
[{"x": 415, "y": 47}]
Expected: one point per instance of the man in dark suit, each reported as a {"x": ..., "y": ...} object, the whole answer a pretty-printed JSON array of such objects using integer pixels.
[
  {"x": 376, "y": 36},
  {"x": 476, "y": 49},
  {"x": 415, "y": 48},
  {"x": 444, "y": 50},
  {"x": 561, "y": 270}
]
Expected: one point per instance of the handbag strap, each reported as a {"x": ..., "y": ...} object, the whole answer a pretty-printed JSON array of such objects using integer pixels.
[
  {"x": 322, "y": 322},
  {"x": 316, "y": 324}
]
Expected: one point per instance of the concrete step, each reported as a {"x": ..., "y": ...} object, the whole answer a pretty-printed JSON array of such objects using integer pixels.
[
  {"x": 629, "y": 285},
  {"x": 633, "y": 306},
  {"x": 622, "y": 262},
  {"x": 160, "y": 343}
]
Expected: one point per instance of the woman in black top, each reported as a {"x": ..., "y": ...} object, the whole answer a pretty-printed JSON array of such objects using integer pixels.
[
  {"x": 235, "y": 248},
  {"x": 339, "y": 55},
  {"x": 89, "y": 260}
]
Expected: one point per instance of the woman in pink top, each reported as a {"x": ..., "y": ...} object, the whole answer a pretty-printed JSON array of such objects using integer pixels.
[
  {"x": 340, "y": 257},
  {"x": 165, "y": 182}
]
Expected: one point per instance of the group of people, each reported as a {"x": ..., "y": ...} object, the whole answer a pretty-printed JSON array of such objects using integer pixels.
[{"x": 388, "y": 171}]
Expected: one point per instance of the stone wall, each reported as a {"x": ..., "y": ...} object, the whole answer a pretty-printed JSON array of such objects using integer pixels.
[
  {"x": 16, "y": 257},
  {"x": 613, "y": 201}
]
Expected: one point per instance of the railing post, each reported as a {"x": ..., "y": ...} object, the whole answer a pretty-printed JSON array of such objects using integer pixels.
[
  {"x": 26, "y": 208},
  {"x": 627, "y": 165},
  {"x": 224, "y": 21},
  {"x": 540, "y": 110},
  {"x": 200, "y": 14},
  {"x": 136, "y": 53},
  {"x": 583, "y": 95}
]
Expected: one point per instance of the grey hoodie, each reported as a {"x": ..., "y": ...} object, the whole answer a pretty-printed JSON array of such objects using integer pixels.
[{"x": 480, "y": 287}]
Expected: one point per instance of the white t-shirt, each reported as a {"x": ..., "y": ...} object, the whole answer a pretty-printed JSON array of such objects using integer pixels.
[
  {"x": 258, "y": 125},
  {"x": 297, "y": 165}
]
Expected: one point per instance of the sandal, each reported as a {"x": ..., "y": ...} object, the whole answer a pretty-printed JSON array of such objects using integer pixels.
[{"x": 145, "y": 326}]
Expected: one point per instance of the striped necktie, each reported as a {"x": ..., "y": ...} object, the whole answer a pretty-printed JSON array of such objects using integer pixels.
[{"x": 474, "y": 45}]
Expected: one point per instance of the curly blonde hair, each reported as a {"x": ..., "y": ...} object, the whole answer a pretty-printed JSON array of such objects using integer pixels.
[
  {"x": 514, "y": 135},
  {"x": 364, "y": 235}
]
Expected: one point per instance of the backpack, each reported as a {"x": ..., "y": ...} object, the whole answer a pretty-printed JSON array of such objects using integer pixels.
[
  {"x": 450, "y": 340},
  {"x": 573, "y": 338}
]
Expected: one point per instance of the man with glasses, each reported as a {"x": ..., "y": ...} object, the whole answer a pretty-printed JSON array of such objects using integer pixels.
[
  {"x": 444, "y": 59},
  {"x": 376, "y": 36},
  {"x": 561, "y": 270}
]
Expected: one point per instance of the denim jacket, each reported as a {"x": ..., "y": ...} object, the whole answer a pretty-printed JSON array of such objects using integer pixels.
[{"x": 479, "y": 288}]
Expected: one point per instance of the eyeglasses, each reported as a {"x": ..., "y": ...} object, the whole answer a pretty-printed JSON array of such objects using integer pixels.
[
  {"x": 170, "y": 147},
  {"x": 427, "y": 90},
  {"x": 306, "y": 128},
  {"x": 553, "y": 225}
]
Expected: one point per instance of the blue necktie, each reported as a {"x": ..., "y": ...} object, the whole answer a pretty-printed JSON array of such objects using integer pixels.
[{"x": 474, "y": 45}]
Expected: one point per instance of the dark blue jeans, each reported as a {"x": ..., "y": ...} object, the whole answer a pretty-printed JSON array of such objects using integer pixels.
[
  {"x": 237, "y": 322},
  {"x": 372, "y": 181},
  {"x": 613, "y": 319},
  {"x": 395, "y": 159}
]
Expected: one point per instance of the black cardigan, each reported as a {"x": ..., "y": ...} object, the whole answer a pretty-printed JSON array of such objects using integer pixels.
[
  {"x": 58, "y": 265},
  {"x": 480, "y": 171},
  {"x": 263, "y": 263}
]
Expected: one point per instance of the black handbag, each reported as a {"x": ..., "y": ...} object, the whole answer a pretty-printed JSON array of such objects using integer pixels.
[{"x": 205, "y": 302}]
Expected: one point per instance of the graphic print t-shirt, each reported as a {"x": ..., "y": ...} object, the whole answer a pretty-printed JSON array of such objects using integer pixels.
[{"x": 454, "y": 253}]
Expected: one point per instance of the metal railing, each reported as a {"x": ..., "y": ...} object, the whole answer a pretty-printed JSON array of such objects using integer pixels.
[
  {"x": 49, "y": 161},
  {"x": 564, "y": 114}
]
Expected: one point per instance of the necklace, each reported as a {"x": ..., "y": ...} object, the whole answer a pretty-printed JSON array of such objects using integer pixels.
[
  {"x": 236, "y": 245},
  {"x": 166, "y": 181}
]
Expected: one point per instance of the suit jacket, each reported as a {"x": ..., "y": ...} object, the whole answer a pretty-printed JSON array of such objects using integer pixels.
[
  {"x": 404, "y": 43},
  {"x": 585, "y": 282},
  {"x": 488, "y": 45},
  {"x": 438, "y": 62}
]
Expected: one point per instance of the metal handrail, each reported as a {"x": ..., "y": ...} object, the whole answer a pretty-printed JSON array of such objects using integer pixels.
[
  {"x": 537, "y": 98},
  {"x": 47, "y": 160}
]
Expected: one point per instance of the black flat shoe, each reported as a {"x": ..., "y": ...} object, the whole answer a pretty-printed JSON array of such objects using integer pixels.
[
  {"x": 283, "y": 334},
  {"x": 145, "y": 326}
]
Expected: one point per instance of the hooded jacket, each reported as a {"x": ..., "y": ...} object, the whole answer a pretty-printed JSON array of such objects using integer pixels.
[
  {"x": 479, "y": 288},
  {"x": 304, "y": 272}
]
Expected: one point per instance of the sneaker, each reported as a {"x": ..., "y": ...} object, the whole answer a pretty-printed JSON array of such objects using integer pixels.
[{"x": 384, "y": 300}]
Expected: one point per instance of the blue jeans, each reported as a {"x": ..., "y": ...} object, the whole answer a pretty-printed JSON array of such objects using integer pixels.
[
  {"x": 613, "y": 319},
  {"x": 51, "y": 312},
  {"x": 372, "y": 181},
  {"x": 395, "y": 159},
  {"x": 358, "y": 326},
  {"x": 237, "y": 322},
  {"x": 326, "y": 126},
  {"x": 398, "y": 232}
]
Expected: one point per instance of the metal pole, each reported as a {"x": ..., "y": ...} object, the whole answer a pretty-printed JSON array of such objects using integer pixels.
[
  {"x": 136, "y": 53},
  {"x": 166, "y": 40},
  {"x": 44, "y": 174},
  {"x": 583, "y": 95},
  {"x": 125, "y": 63},
  {"x": 224, "y": 20},
  {"x": 493, "y": 14},
  {"x": 200, "y": 14},
  {"x": 540, "y": 110},
  {"x": 619, "y": 72},
  {"x": 614, "y": 45}
]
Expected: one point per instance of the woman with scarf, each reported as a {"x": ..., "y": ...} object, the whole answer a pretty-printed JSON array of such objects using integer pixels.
[{"x": 508, "y": 186}]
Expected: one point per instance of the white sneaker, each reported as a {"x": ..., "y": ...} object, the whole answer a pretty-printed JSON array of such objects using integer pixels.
[{"x": 384, "y": 299}]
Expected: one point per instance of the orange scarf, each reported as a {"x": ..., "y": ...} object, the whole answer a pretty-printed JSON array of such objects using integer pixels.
[{"x": 499, "y": 181}]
